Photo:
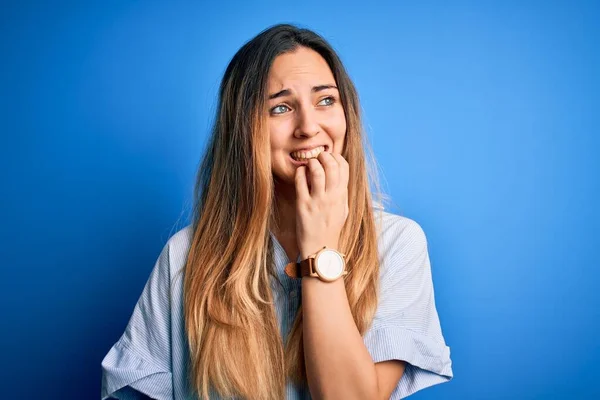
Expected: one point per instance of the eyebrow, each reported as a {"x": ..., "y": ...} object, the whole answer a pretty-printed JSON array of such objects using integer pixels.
[{"x": 287, "y": 92}]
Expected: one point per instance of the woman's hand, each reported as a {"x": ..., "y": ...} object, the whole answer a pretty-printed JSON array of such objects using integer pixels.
[{"x": 321, "y": 211}]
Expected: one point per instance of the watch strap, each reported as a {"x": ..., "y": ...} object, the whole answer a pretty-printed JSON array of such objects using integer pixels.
[
  {"x": 301, "y": 269},
  {"x": 306, "y": 267}
]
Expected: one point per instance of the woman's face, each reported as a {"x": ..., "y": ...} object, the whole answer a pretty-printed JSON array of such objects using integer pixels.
[{"x": 304, "y": 110}]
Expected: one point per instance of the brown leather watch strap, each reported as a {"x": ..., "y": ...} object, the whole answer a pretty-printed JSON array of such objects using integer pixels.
[
  {"x": 301, "y": 269},
  {"x": 292, "y": 270}
]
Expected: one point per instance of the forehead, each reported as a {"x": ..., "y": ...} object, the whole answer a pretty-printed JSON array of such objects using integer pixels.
[{"x": 303, "y": 66}]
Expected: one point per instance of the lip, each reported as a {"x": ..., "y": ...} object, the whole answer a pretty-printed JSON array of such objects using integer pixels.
[
  {"x": 304, "y": 162},
  {"x": 310, "y": 148},
  {"x": 296, "y": 162}
]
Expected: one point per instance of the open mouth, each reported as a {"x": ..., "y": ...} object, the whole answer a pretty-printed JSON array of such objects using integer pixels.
[{"x": 304, "y": 156}]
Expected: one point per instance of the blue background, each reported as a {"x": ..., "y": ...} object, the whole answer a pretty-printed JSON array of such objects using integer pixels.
[{"x": 484, "y": 118}]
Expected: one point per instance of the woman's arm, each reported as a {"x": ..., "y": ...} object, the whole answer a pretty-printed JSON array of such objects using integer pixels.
[{"x": 337, "y": 362}]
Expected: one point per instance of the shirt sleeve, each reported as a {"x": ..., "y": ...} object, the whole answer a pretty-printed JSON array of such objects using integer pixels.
[
  {"x": 138, "y": 366},
  {"x": 406, "y": 324}
]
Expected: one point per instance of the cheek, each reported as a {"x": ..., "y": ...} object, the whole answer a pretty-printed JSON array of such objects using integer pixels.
[
  {"x": 336, "y": 125},
  {"x": 277, "y": 136}
]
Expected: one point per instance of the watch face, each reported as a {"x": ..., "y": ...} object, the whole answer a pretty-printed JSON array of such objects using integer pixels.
[{"x": 329, "y": 264}]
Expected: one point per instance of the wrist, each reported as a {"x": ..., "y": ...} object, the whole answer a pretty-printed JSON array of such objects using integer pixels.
[{"x": 312, "y": 250}]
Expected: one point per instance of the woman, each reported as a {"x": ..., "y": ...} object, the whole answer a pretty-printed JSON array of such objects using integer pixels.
[{"x": 225, "y": 314}]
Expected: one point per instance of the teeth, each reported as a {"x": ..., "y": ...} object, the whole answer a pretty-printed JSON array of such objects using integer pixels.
[{"x": 305, "y": 155}]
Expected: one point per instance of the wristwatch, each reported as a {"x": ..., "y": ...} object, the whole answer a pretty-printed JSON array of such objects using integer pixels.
[{"x": 326, "y": 264}]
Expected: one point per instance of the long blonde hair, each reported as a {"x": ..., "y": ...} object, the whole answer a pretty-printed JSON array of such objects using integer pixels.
[{"x": 230, "y": 320}]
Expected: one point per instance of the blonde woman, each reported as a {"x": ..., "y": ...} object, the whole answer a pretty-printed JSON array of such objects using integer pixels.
[{"x": 291, "y": 282}]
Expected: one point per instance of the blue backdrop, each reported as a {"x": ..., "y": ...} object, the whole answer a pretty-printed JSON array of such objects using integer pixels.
[{"x": 484, "y": 119}]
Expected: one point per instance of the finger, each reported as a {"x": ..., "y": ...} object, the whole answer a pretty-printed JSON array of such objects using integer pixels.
[
  {"x": 301, "y": 184},
  {"x": 344, "y": 169},
  {"x": 332, "y": 170},
  {"x": 317, "y": 177}
]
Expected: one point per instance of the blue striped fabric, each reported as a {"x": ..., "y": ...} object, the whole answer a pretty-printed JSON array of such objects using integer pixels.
[{"x": 150, "y": 358}]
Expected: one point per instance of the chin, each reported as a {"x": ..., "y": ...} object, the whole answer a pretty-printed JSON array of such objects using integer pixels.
[{"x": 285, "y": 178}]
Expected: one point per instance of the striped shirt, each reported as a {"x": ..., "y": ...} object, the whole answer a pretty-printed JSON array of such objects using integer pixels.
[{"x": 150, "y": 358}]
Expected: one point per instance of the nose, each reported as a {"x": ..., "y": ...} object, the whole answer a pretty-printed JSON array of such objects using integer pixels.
[{"x": 307, "y": 124}]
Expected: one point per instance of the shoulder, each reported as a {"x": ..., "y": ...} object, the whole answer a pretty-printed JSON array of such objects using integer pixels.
[
  {"x": 398, "y": 232},
  {"x": 402, "y": 243},
  {"x": 175, "y": 251},
  {"x": 181, "y": 240}
]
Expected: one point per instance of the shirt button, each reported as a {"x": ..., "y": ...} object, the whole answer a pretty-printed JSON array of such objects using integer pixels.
[{"x": 293, "y": 293}]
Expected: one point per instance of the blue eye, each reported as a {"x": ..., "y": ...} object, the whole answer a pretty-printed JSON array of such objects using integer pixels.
[
  {"x": 279, "y": 106},
  {"x": 331, "y": 101},
  {"x": 282, "y": 108}
]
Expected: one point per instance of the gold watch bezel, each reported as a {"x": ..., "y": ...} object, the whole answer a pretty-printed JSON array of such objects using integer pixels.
[{"x": 314, "y": 271}]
